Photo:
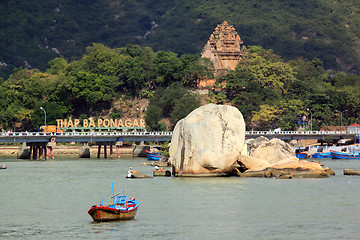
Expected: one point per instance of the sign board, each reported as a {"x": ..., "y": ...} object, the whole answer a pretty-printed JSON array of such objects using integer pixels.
[{"x": 100, "y": 123}]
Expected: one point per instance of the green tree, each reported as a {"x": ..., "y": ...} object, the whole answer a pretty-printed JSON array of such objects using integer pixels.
[
  {"x": 153, "y": 117},
  {"x": 195, "y": 68},
  {"x": 184, "y": 106},
  {"x": 174, "y": 102},
  {"x": 168, "y": 68},
  {"x": 268, "y": 70}
]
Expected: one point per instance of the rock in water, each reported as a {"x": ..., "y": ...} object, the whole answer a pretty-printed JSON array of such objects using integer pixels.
[
  {"x": 264, "y": 152},
  {"x": 275, "y": 158},
  {"x": 208, "y": 141}
]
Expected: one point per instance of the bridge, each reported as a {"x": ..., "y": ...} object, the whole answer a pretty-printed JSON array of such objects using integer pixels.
[
  {"x": 41, "y": 137},
  {"x": 41, "y": 143},
  {"x": 299, "y": 135}
]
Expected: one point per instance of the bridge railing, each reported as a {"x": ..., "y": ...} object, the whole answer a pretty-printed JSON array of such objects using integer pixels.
[
  {"x": 300, "y": 132},
  {"x": 145, "y": 133},
  {"x": 34, "y": 134}
]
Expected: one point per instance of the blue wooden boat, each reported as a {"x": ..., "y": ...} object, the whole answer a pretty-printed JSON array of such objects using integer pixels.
[
  {"x": 122, "y": 208},
  {"x": 301, "y": 152},
  {"x": 344, "y": 155},
  {"x": 301, "y": 155},
  {"x": 321, "y": 155},
  {"x": 155, "y": 156}
]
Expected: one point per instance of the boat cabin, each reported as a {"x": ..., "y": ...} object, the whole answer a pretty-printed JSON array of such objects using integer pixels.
[{"x": 120, "y": 200}]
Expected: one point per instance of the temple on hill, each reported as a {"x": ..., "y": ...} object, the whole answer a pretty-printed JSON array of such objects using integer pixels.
[{"x": 225, "y": 49}]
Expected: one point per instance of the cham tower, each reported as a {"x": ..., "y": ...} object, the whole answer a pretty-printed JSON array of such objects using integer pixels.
[{"x": 224, "y": 49}]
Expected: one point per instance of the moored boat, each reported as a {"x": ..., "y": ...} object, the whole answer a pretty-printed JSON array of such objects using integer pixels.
[
  {"x": 123, "y": 208},
  {"x": 321, "y": 155},
  {"x": 344, "y": 155},
  {"x": 151, "y": 156},
  {"x": 3, "y": 166},
  {"x": 300, "y": 153}
]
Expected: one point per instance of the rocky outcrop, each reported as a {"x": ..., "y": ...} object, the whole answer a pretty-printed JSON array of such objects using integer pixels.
[
  {"x": 288, "y": 170},
  {"x": 275, "y": 158},
  {"x": 208, "y": 141},
  {"x": 353, "y": 172},
  {"x": 140, "y": 150},
  {"x": 264, "y": 153},
  {"x": 273, "y": 150}
]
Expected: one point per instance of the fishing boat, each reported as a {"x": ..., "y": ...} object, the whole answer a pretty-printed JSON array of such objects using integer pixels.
[
  {"x": 300, "y": 153},
  {"x": 345, "y": 155},
  {"x": 321, "y": 155},
  {"x": 152, "y": 156},
  {"x": 122, "y": 208}
]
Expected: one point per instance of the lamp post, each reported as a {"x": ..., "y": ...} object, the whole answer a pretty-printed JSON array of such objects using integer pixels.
[
  {"x": 45, "y": 116},
  {"x": 310, "y": 118},
  {"x": 341, "y": 114}
]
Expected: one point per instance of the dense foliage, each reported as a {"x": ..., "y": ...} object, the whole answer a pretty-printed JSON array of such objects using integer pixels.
[
  {"x": 34, "y": 32},
  {"x": 90, "y": 85},
  {"x": 269, "y": 91},
  {"x": 174, "y": 103},
  {"x": 272, "y": 93}
]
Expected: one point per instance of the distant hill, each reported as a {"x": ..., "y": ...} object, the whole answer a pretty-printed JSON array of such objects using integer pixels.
[{"x": 34, "y": 32}]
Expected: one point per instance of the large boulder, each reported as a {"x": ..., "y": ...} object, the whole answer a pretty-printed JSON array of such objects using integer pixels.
[
  {"x": 208, "y": 141},
  {"x": 287, "y": 170},
  {"x": 273, "y": 150},
  {"x": 275, "y": 158},
  {"x": 264, "y": 153}
]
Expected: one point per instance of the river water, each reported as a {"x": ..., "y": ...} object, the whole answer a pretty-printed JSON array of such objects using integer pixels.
[{"x": 50, "y": 200}]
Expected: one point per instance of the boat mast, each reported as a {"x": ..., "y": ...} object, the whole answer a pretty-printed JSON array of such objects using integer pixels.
[{"x": 113, "y": 193}]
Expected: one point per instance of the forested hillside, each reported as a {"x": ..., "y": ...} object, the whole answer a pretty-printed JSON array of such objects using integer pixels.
[
  {"x": 34, "y": 32},
  {"x": 81, "y": 59},
  {"x": 159, "y": 87}
]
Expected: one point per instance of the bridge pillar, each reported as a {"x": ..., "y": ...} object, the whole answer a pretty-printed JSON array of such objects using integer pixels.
[
  {"x": 140, "y": 150},
  {"x": 24, "y": 152},
  {"x": 111, "y": 151},
  {"x": 35, "y": 151},
  {"x": 118, "y": 145},
  {"x": 38, "y": 149},
  {"x": 99, "y": 151},
  {"x": 84, "y": 151},
  {"x": 41, "y": 154},
  {"x": 49, "y": 149},
  {"x": 105, "y": 151},
  {"x": 105, "y": 144},
  {"x": 50, "y": 152}
]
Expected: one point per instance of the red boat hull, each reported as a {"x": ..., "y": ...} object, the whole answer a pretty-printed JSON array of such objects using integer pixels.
[{"x": 106, "y": 213}]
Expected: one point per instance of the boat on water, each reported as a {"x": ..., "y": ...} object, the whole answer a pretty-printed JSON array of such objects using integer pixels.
[
  {"x": 345, "y": 155},
  {"x": 3, "y": 166},
  {"x": 300, "y": 153},
  {"x": 122, "y": 208},
  {"x": 321, "y": 155},
  {"x": 152, "y": 156}
]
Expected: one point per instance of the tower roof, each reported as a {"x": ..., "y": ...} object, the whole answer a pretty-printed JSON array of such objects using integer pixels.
[{"x": 225, "y": 48}]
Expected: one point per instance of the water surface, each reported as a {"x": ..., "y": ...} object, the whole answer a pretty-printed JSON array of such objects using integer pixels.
[{"x": 50, "y": 200}]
